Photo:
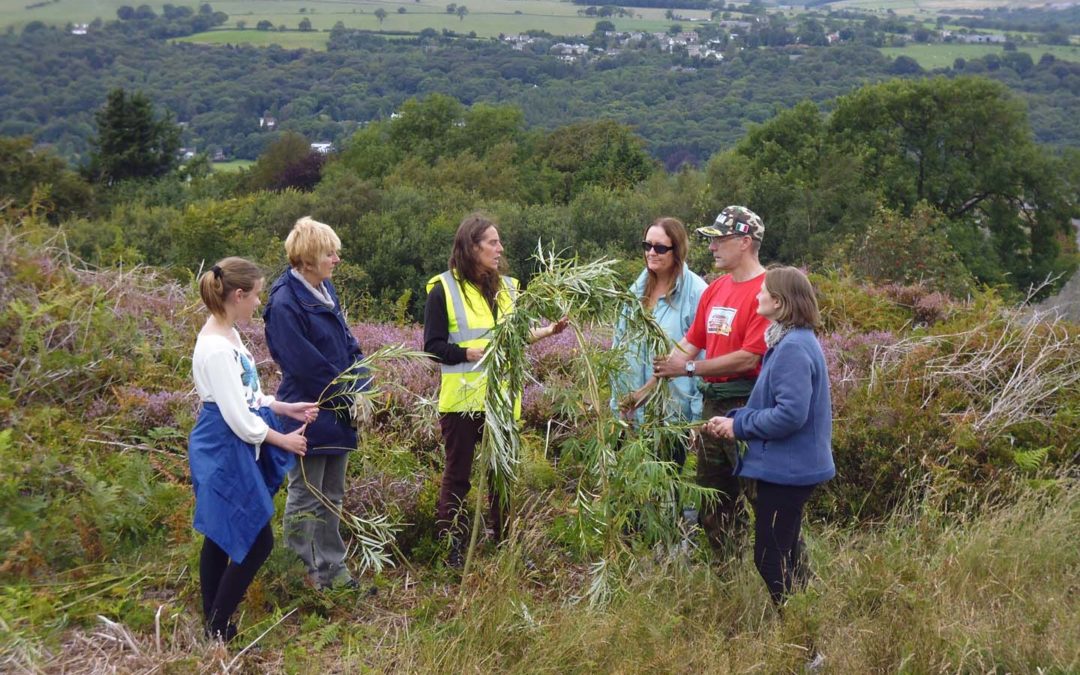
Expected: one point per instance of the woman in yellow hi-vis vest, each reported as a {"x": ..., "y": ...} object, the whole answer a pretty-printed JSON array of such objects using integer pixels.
[{"x": 463, "y": 305}]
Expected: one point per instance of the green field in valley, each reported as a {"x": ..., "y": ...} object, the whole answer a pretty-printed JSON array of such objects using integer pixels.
[
  {"x": 292, "y": 39},
  {"x": 944, "y": 55},
  {"x": 231, "y": 167},
  {"x": 930, "y": 7},
  {"x": 485, "y": 17}
]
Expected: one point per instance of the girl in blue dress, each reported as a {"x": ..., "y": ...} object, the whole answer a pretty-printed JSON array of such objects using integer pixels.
[{"x": 237, "y": 452}]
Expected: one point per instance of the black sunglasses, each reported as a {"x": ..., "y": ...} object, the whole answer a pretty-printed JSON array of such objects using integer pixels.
[{"x": 659, "y": 248}]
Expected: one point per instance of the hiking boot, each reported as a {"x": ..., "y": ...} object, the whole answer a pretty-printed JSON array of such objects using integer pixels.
[
  {"x": 224, "y": 633},
  {"x": 455, "y": 556},
  {"x": 343, "y": 581},
  {"x": 455, "y": 559}
]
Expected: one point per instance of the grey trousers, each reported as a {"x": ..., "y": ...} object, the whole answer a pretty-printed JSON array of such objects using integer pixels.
[{"x": 311, "y": 529}]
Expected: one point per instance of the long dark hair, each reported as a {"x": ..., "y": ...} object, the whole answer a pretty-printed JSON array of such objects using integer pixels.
[
  {"x": 680, "y": 241},
  {"x": 463, "y": 261}
]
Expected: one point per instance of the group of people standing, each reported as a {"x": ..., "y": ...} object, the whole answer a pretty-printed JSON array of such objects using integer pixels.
[
  {"x": 746, "y": 360},
  {"x": 747, "y": 342}
]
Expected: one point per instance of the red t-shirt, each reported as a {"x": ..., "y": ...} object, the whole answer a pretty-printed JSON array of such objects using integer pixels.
[{"x": 727, "y": 321}]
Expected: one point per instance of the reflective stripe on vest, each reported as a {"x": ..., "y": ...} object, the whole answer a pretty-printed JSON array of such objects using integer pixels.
[{"x": 463, "y": 384}]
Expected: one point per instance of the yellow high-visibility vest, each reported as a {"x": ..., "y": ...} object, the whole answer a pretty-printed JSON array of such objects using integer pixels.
[{"x": 463, "y": 386}]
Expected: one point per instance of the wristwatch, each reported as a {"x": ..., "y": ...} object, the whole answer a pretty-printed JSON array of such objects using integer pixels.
[{"x": 691, "y": 366}]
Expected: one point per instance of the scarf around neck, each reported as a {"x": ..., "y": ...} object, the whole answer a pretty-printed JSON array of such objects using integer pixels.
[
  {"x": 320, "y": 293},
  {"x": 776, "y": 332}
]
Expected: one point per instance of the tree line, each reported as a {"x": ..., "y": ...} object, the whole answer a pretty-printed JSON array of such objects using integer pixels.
[
  {"x": 942, "y": 174},
  {"x": 220, "y": 93}
]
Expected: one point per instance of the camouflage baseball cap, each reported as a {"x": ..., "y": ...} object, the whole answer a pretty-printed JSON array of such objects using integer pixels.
[{"x": 735, "y": 220}]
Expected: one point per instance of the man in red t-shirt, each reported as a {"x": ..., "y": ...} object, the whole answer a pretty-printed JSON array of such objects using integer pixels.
[{"x": 732, "y": 333}]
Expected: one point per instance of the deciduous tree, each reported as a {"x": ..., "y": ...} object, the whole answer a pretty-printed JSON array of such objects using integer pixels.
[
  {"x": 27, "y": 174},
  {"x": 289, "y": 162}
]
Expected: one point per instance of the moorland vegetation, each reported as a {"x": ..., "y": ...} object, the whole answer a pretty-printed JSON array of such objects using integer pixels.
[{"x": 928, "y": 216}]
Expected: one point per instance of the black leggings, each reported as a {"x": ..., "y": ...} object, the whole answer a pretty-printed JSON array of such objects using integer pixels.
[
  {"x": 778, "y": 549},
  {"x": 224, "y": 582}
]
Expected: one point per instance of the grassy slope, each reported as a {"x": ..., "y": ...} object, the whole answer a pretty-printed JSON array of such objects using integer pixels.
[
  {"x": 235, "y": 165},
  {"x": 96, "y": 468},
  {"x": 924, "y": 592},
  {"x": 289, "y": 40},
  {"x": 930, "y": 6}
]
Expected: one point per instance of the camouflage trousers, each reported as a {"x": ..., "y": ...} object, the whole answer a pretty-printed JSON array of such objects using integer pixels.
[{"x": 724, "y": 519}]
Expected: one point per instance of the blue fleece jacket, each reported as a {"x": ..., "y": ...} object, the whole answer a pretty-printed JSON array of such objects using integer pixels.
[{"x": 787, "y": 421}]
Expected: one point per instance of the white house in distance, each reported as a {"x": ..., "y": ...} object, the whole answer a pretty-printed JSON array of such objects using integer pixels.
[
  {"x": 80, "y": 29},
  {"x": 569, "y": 52},
  {"x": 668, "y": 43},
  {"x": 518, "y": 41},
  {"x": 979, "y": 38},
  {"x": 703, "y": 52},
  {"x": 267, "y": 123},
  {"x": 323, "y": 147}
]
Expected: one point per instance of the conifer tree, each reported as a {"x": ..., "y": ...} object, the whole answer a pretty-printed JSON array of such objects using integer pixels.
[{"x": 132, "y": 142}]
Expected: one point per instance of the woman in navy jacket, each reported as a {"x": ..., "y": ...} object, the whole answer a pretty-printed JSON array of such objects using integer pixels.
[
  {"x": 787, "y": 426},
  {"x": 309, "y": 340}
]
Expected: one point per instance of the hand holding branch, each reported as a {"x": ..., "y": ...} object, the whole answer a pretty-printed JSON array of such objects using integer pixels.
[
  {"x": 632, "y": 401},
  {"x": 301, "y": 411},
  {"x": 669, "y": 366},
  {"x": 547, "y": 331},
  {"x": 724, "y": 427}
]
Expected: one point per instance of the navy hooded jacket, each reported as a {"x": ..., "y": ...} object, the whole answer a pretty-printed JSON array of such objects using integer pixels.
[{"x": 312, "y": 345}]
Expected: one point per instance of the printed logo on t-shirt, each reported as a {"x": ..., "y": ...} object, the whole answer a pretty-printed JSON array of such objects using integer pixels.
[
  {"x": 720, "y": 320},
  {"x": 249, "y": 377}
]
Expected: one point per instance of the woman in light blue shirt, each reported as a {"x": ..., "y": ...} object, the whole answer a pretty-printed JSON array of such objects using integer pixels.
[{"x": 668, "y": 288}]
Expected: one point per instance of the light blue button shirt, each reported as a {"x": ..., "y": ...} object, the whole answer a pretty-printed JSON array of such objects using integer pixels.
[{"x": 674, "y": 312}]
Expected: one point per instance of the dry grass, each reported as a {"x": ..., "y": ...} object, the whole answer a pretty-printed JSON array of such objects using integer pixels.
[
  {"x": 926, "y": 591},
  {"x": 923, "y": 593}
]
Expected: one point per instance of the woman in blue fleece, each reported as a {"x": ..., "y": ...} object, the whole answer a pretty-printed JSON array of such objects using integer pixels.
[{"x": 787, "y": 426}]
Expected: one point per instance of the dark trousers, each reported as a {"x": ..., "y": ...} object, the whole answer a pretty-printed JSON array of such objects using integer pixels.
[
  {"x": 779, "y": 553},
  {"x": 224, "y": 582},
  {"x": 721, "y": 520},
  {"x": 462, "y": 432}
]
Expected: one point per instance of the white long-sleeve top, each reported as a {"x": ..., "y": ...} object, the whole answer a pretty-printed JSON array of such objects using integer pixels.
[{"x": 225, "y": 374}]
